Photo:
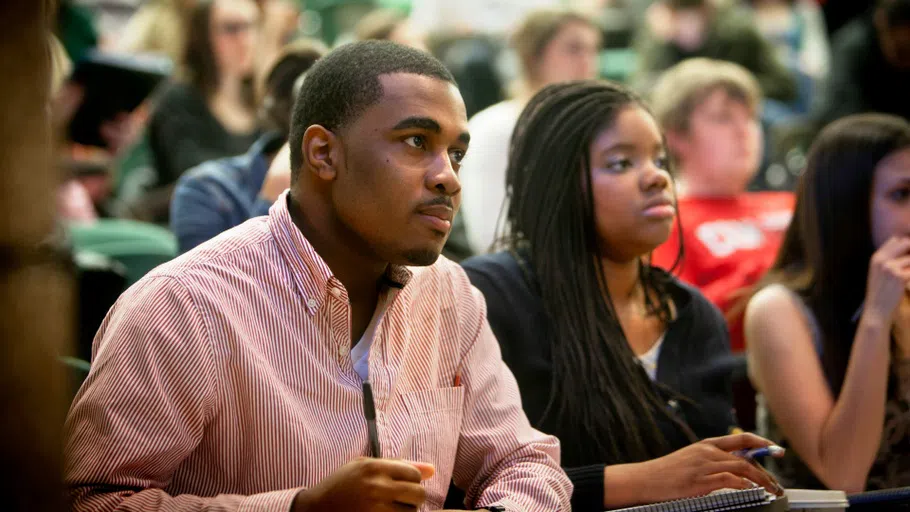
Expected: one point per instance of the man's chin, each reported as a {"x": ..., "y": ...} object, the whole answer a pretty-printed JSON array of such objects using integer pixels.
[{"x": 421, "y": 257}]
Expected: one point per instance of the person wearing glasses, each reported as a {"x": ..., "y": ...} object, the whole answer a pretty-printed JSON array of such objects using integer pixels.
[{"x": 212, "y": 113}]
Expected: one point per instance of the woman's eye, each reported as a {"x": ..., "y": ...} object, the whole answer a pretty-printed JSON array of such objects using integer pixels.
[
  {"x": 663, "y": 163},
  {"x": 457, "y": 156},
  {"x": 416, "y": 141},
  {"x": 619, "y": 165},
  {"x": 901, "y": 194}
]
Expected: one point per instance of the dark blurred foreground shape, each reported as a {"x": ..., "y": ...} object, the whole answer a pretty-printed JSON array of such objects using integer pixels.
[{"x": 35, "y": 292}]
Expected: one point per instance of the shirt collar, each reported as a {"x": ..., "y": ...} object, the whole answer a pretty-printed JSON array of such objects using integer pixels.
[{"x": 312, "y": 276}]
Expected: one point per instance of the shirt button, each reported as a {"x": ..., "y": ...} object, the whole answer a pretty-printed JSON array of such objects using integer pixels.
[
  {"x": 311, "y": 303},
  {"x": 336, "y": 292},
  {"x": 343, "y": 350}
]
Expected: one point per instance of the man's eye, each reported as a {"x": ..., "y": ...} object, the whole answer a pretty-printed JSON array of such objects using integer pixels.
[{"x": 416, "y": 141}]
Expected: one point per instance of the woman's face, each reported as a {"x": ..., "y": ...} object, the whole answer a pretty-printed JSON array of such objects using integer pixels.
[
  {"x": 634, "y": 204},
  {"x": 890, "y": 202},
  {"x": 571, "y": 55},
  {"x": 233, "y": 29}
]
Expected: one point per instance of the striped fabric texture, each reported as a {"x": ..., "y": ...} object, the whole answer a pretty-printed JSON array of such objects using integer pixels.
[{"x": 223, "y": 381}]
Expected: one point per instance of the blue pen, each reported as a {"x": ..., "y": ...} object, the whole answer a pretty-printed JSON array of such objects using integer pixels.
[{"x": 757, "y": 453}]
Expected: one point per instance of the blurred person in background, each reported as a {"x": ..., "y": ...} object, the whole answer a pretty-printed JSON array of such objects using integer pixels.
[
  {"x": 796, "y": 29},
  {"x": 474, "y": 16},
  {"x": 78, "y": 195},
  {"x": 828, "y": 332},
  {"x": 709, "y": 111},
  {"x": 552, "y": 46},
  {"x": 159, "y": 26},
  {"x": 389, "y": 25},
  {"x": 212, "y": 113},
  {"x": 220, "y": 194},
  {"x": 676, "y": 30},
  {"x": 870, "y": 70}
]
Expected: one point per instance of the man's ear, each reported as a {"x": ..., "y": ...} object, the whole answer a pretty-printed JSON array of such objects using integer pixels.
[{"x": 321, "y": 150}]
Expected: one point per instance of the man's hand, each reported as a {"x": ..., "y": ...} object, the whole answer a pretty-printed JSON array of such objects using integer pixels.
[{"x": 368, "y": 485}]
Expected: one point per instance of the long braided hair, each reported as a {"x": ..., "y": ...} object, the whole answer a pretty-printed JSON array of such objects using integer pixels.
[{"x": 598, "y": 387}]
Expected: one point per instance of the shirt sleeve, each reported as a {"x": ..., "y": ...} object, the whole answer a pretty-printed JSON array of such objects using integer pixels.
[
  {"x": 195, "y": 216},
  {"x": 144, "y": 408},
  {"x": 501, "y": 459}
]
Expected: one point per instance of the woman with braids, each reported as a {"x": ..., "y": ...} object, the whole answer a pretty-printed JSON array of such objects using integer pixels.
[{"x": 607, "y": 349}]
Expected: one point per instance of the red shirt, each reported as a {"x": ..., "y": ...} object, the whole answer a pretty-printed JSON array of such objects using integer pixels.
[{"x": 729, "y": 244}]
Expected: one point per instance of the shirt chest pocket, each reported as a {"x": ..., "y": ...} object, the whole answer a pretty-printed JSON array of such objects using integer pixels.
[{"x": 436, "y": 416}]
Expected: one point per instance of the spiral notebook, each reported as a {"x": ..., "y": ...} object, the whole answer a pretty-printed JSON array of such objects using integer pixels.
[{"x": 730, "y": 499}]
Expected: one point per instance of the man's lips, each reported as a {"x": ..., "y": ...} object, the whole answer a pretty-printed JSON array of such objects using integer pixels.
[{"x": 439, "y": 216}]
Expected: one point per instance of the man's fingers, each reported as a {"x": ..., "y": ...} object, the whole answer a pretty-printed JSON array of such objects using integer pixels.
[
  {"x": 394, "y": 469},
  {"x": 427, "y": 470},
  {"x": 406, "y": 493}
]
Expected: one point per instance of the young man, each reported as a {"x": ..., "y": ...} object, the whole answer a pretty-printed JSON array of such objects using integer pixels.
[
  {"x": 231, "y": 378},
  {"x": 709, "y": 112}
]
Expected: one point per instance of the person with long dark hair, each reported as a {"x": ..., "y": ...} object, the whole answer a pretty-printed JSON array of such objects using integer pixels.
[
  {"x": 828, "y": 334},
  {"x": 611, "y": 355},
  {"x": 212, "y": 114}
]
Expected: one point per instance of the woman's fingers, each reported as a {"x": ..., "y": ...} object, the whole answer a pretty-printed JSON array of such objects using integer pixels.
[{"x": 736, "y": 442}]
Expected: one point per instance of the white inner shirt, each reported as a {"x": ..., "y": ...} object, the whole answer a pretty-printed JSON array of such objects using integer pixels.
[
  {"x": 649, "y": 359},
  {"x": 360, "y": 354}
]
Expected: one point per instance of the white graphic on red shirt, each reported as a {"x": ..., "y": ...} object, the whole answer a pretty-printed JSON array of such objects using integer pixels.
[{"x": 724, "y": 237}]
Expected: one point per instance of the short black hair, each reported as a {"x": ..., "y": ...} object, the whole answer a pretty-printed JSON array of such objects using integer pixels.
[
  {"x": 897, "y": 12},
  {"x": 344, "y": 83}
]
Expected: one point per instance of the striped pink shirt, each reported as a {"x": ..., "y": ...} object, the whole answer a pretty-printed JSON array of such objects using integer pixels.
[{"x": 223, "y": 381}]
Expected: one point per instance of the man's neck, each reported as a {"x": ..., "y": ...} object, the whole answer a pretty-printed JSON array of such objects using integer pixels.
[{"x": 359, "y": 274}]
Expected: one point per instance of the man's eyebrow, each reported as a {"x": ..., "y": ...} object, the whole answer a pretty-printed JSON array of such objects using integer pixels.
[
  {"x": 424, "y": 123},
  {"x": 429, "y": 124}
]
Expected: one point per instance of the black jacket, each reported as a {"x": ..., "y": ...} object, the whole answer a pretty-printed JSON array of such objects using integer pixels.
[{"x": 692, "y": 342}]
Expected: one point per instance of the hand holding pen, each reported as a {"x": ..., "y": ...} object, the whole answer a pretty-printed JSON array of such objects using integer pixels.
[
  {"x": 368, "y": 484},
  {"x": 698, "y": 469}
]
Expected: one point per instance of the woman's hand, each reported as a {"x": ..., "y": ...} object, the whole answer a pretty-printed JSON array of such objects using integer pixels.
[
  {"x": 886, "y": 287},
  {"x": 695, "y": 470}
]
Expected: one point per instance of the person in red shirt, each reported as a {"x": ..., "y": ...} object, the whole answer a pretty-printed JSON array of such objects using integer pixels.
[{"x": 709, "y": 111}]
